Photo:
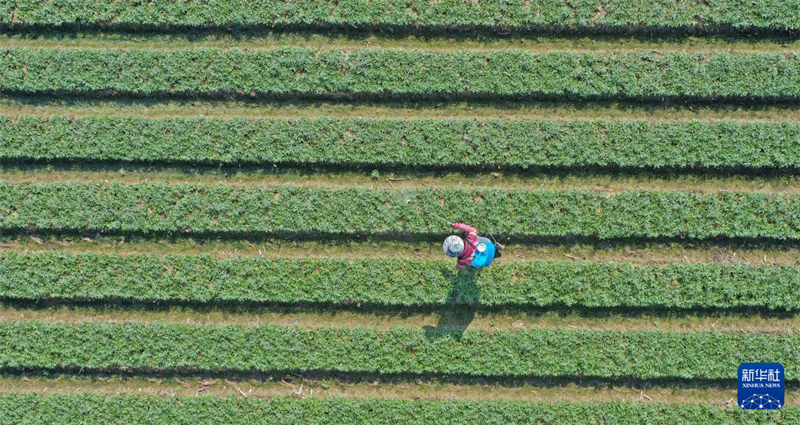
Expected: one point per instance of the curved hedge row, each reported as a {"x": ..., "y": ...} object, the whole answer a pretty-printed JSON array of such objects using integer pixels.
[
  {"x": 268, "y": 348},
  {"x": 376, "y": 73},
  {"x": 200, "y": 209},
  {"x": 429, "y": 143},
  {"x": 46, "y": 275},
  {"x": 94, "y": 409},
  {"x": 584, "y": 16}
]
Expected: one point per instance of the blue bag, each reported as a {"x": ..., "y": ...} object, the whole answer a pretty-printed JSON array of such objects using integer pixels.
[{"x": 485, "y": 258}]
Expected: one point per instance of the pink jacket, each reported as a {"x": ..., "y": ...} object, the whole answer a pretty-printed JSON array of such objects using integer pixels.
[{"x": 470, "y": 243}]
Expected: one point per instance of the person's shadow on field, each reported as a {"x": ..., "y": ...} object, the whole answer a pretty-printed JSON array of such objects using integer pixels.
[{"x": 460, "y": 311}]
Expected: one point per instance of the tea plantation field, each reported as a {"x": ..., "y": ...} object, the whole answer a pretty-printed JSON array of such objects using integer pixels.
[{"x": 231, "y": 212}]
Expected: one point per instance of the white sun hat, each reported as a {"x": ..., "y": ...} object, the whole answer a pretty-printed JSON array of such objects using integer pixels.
[{"x": 453, "y": 246}]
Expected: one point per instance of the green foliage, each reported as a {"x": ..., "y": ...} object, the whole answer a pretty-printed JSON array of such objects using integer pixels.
[
  {"x": 608, "y": 15},
  {"x": 447, "y": 142},
  {"x": 219, "y": 209},
  {"x": 393, "y": 282},
  {"x": 269, "y": 348},
  {"x": 151, "y": 209},
  {"x": 376, "y": 73},
  {"x": 92, "y": 409}
]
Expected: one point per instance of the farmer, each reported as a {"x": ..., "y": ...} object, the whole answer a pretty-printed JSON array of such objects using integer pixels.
[{"x": 473, "y": 250}]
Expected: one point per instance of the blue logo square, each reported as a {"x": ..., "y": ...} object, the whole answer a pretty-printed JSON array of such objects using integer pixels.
[{"x": 761, "y": 386}]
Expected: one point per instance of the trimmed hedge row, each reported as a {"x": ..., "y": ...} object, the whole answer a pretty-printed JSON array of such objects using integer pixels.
[
  {"x": 584, "y": 15},
  {"x": 430, "y": 143},
  {"x": 91, "y": 409},
  {"x": 218, "y": 209},
  {"x": 395, "y": 282},
  {"x": 161, "y": 347},
  {"x": 376, "y": 73}
]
